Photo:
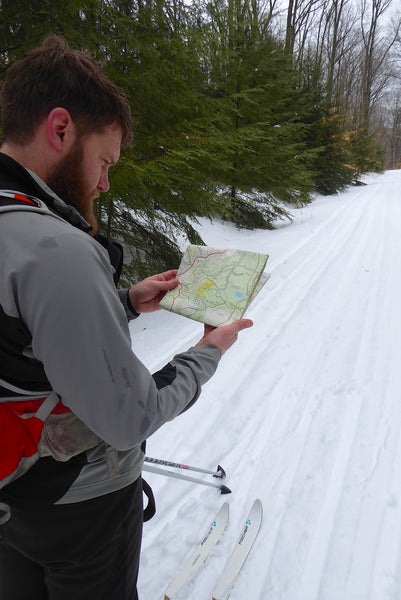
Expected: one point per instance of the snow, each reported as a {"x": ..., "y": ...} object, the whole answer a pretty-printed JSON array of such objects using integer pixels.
[{"x": 304, "y": 412}]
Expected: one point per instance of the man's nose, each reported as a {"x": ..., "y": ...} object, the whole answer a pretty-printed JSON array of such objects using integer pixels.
[{"x": 104, "y": 184}]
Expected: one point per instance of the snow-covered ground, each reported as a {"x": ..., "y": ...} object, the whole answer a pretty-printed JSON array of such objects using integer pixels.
[{"x": 304, "y": 413}]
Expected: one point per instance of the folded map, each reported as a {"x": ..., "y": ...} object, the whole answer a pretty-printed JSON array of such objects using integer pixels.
[{"x": 216, "y": 286}]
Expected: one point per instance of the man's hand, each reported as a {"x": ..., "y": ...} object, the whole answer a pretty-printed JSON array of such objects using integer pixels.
[
  {"x": 224, "y": 337},
  {"x": 146, "y": 295}
]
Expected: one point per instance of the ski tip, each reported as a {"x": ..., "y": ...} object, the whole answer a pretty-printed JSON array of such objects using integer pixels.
[
  {"x": 224, "y": 490},
  {"x": 220, "y": 472},
  {"x": 257, "y": 510},
  {"x": 224, "y": 510}
]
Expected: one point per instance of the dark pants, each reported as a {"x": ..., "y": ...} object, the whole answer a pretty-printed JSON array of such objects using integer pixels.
[{"x": 73, "y": 551}]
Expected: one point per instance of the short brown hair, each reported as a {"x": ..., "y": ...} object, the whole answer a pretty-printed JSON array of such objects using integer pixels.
[{"x": 55, "y": 75}]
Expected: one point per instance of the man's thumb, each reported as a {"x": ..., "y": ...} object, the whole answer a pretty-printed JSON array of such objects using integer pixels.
[{"x": 243, "y": 324}]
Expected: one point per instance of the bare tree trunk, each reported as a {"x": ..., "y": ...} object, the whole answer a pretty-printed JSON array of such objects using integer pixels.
[
  {"x": 290, "y": 28},
  {"x": 337, "y": 9},
  {"x": 393, "y": 127},
  {"x": 300, "y": 18},
  {"x": 374, "y": 54}
]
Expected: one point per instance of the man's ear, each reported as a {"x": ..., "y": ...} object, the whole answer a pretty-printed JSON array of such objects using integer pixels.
[{"x": 59, "y": 129}]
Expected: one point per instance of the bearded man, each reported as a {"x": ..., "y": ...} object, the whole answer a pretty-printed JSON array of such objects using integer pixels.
[{"x": 72, "y": 520}]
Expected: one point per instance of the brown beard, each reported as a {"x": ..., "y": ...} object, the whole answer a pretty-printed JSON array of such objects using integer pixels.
[{"x": 68, "y": 182}]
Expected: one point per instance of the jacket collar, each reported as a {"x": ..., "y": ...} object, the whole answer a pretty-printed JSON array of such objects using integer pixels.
[{"x": 15, "y": 176}]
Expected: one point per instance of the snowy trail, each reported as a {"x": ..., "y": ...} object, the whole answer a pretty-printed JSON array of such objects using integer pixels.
[{"x": 304, "y": 412}]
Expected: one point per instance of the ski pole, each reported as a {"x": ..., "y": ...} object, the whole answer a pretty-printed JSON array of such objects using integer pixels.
[
  {"x": 151, "y": 469},
  {"x": 158, "y": 461}
]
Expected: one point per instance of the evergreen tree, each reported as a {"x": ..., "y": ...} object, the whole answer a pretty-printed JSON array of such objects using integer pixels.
[
  {"x": 259, "y": 138},
  {"x": 24, "y": 25},
  {"x": 342, "y": 151},
  {"x": 332, "y": 163},
  {"x": 155, "y": 58}
]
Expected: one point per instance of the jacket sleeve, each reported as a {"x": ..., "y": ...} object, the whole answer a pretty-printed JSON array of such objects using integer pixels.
[
  {"x": 130, "y": 312},
  {"x": 63, "y": 289}
]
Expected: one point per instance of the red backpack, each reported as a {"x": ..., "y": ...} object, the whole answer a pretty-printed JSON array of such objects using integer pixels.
[{"x": 21, "y": 425}]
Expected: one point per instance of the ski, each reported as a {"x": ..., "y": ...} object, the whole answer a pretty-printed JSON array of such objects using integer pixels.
[
  {"x": 239, "y": 555},
  {"x": 201, "y": 552}
]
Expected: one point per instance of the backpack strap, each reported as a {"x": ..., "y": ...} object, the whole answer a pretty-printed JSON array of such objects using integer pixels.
[
  {"x": 11, "y": 200},
  {"x": 12, "y": 197},
  {"x": 13, "y": 388},
  {"x": 45, "y": 408}
]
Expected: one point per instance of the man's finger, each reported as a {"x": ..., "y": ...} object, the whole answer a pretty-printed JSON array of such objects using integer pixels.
[{"x": 167, "y": 275}]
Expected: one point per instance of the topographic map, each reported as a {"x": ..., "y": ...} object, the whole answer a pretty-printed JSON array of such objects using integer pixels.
[{"x": 216, "y": 286}]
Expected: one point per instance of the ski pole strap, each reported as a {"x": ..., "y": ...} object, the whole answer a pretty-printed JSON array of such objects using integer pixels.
[{"x": 150, "y": 509}]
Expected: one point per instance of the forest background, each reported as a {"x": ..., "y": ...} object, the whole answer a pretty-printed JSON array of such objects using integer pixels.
[{"x": 242, "y": 108}]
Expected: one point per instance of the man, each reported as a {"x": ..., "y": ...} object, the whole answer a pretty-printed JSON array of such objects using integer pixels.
[{"x": 76, "y": 514}]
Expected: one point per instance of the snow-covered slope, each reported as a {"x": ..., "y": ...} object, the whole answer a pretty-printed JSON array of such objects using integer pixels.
[{"x": 304, "y": 412}]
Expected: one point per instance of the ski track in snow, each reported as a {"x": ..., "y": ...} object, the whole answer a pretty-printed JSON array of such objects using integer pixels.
[{"x": 303, "y": 412}]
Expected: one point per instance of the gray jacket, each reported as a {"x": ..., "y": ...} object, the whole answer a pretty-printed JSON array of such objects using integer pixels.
[{"x": 57, "y": 282}]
